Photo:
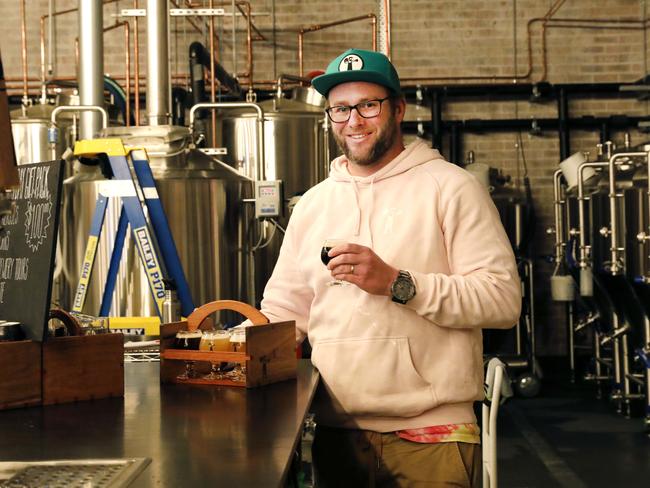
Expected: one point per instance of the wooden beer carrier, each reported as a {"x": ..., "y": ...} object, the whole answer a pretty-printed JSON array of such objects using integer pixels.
[
  {"x": 66, "y": 369},
  {"x": 270, "y": 349}
]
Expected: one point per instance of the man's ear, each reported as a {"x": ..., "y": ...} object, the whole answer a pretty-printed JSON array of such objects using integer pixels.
[{"x": 400, "y": 108}]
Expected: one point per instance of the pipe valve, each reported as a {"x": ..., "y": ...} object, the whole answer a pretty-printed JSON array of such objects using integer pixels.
[
  {"x": 642, "y": 237},
  {"x": 604, "y": 231},
  {"x": 52, "y": 134}
]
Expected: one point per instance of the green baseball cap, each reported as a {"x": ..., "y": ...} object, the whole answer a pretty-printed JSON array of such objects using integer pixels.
[{"x": 358, "y": 65}]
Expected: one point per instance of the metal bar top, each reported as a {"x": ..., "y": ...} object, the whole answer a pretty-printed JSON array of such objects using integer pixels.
[{"x": 195, "y": 436}]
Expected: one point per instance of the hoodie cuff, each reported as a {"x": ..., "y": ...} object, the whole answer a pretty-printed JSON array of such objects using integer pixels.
[{"x": 418, "y": 302}]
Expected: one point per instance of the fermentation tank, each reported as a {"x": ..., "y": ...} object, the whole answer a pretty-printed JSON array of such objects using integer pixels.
[
  {"x": 193, "y": 190},
  {"x": 29, "y": 128},
  {"x": 297, "y": 150},
  {"x": 212, "y": 223}
]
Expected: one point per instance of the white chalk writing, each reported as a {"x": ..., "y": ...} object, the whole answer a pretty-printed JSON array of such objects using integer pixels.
[
  {"x": 6, "y": 268},
  {"x": 33, "y": 183},
  {"x": 22, "y": 269},
  {"x": 4, "y": 240},
  {"x": 37, "y": 220}
]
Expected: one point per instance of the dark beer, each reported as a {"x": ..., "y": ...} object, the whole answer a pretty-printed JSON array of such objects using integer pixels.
[
  {"x": 188, "y": 340},
  {"x": 324, "y": 255},
  {"x": 325, "y": 258}
]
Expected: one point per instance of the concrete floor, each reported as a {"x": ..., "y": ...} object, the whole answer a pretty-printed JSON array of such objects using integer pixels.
[{"x": 566, "y": 437}]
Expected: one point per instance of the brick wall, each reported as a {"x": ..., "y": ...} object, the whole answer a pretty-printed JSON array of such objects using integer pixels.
[{"x": 433, "y": 39}]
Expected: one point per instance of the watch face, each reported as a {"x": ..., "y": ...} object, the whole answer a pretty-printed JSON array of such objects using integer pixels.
[{"x": 403, "y": 288}]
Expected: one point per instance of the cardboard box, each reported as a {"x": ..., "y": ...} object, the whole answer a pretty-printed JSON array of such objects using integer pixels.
[{"x": 20, "y": 374}]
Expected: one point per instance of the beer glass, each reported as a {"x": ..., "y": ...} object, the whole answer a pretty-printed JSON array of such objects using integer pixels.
[
  {"x": 215, "y": 340},
  {"x": 188, "y": 341},
  {"x": 238, "y": 344},
  {"x": 324, "y": 257}
]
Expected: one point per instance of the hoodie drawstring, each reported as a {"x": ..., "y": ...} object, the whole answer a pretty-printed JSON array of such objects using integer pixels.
[
  {"x": 357, "y": 232},
  {"x": 370, "y": 210},
  {"x": 371, "y": 207}
]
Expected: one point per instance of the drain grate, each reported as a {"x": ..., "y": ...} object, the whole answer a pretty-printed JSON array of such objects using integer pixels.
[{"x": 76, "y": 474}]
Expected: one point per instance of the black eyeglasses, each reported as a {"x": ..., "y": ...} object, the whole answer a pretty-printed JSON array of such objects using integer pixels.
[{"x": 367, "y": 110}]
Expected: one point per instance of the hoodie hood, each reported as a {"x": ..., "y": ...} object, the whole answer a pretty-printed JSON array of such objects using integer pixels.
[{"x": 415, "y": 154}]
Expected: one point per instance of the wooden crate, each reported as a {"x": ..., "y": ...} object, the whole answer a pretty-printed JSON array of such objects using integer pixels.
[
  {"x": 270, "y": 356},
  {"x": 83, "y": 368},
  {"x": 20, "y": 370}
]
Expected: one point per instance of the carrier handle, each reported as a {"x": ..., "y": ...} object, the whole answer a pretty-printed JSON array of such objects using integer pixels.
[
  {"x": 200, "y": 314},
  {"x": 71, "y": 323}
]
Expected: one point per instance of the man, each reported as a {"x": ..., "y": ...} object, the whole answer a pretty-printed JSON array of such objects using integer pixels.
[{"x": 425, "y": 266}]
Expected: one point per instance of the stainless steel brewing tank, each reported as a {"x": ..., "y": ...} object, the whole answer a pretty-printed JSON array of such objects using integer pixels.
[
  {"x": 515, "y": 212},
  {"x": 29, "y": 128},
  {"x": 297, "y": 144},
  {"x": 193, "y": 190},
  {"x": 298, "y": 148}
]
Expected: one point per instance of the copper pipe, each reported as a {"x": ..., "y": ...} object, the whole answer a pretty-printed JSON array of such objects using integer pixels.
[
  {"x": 387, "y": 26},
  {"x": 317, "y": 27},
  {"x": 42, "y": 37},
  {"x": 249, "y": 40},
  {"x": 547, "y": 23},
  {"x": 515, "y": 77},
  {"x": 260, "y": 36},
  {"x": 127, "y": 65},
  {"x": 212, "y": 77},
  {"x": 249, "y": 45},
  {"x": 42, "y": 40},
  {"x": 597, "y": 24},
  {"x": 551, "y": 23},
  {"x": 23, "y": 38},
  {"x": 136, "y": 67}
]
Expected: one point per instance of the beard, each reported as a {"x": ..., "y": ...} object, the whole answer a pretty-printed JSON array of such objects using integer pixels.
[{"x": 386, "y": 136}]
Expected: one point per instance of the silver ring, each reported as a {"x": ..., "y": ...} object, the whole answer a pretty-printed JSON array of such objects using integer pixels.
[{"x": 352, "y": 269}]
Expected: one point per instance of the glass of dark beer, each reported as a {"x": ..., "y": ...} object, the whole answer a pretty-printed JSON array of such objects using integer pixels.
[
  {"x": 189, "y": 341},
  {"x": 324, "y": 257}
]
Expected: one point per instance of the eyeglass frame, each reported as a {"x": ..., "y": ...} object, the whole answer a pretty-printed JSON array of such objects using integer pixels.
[{"x": 355, "y": 107}]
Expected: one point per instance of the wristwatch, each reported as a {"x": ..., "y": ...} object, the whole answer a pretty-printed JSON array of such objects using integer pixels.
[{"x": 403, "y": 288}]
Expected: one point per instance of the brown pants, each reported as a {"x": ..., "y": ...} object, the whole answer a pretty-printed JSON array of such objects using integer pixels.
[{"x": 360, "y": 458}]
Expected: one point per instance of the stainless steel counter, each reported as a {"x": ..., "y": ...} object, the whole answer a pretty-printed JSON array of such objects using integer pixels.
[{"x": 194, "y": 436}]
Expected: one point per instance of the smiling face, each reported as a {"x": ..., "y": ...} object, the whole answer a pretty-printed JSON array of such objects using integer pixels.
[{"x": 369, "y": 144}]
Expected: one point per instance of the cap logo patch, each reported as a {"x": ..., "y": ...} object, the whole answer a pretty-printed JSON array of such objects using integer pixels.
[{"x": 351, "y": 62}]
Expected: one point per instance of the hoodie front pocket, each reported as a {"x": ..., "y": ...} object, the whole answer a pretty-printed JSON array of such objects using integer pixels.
[{"x": 374, "y": 377}]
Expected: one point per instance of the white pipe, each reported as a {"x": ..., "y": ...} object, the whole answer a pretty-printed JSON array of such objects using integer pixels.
[
  {"x": 158, "y": 81},
  {"x": 613, "y": 205},
  {"x": 259, "y": 132},
  {"x": 80, "y": 109},
  {"x": 91, "y": 65}
]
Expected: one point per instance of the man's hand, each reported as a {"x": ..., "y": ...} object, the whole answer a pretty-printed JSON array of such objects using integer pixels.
[{"x": 360, "y": 266}]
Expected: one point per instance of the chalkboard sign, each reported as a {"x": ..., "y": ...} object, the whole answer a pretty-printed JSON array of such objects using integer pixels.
[{"x": 27, "y": 248}]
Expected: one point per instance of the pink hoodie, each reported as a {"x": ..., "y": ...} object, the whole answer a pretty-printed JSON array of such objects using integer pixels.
[{"x": 387, "y": 366}]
